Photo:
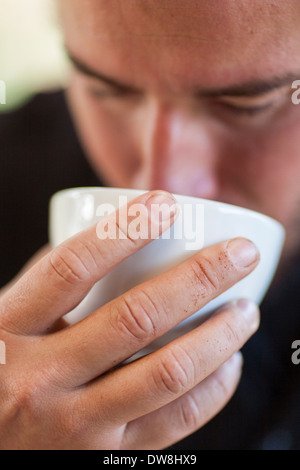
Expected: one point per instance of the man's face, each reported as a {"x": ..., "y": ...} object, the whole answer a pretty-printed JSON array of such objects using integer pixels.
[{"x": 192, "y": 97}]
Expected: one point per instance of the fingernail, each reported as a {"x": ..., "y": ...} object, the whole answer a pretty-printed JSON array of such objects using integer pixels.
[
  {"x": 162, "y": 206},
  {"x": 250, "y": 311},
  {"x": 242, "y": 252}
]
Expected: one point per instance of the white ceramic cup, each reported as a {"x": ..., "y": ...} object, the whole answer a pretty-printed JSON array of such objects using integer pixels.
[{"x": 200, "y": 223}]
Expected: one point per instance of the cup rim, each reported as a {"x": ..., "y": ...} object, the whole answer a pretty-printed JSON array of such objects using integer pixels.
[{"x": 223, "y": 205}]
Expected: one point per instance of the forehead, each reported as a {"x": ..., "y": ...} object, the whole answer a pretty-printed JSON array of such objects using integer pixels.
[{"x": 175, "y": 43}]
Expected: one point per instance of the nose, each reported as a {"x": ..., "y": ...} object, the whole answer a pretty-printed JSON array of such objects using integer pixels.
[{"x": 178, "y": 151}]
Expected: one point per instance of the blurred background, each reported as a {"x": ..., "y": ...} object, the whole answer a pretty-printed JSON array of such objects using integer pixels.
[{"x": 31, "y": 53}]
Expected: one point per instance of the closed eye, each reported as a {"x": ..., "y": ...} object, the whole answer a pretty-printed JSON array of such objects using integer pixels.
[
  {"x": 248, "y": 110},
  {"x": 252, "y": 106}
]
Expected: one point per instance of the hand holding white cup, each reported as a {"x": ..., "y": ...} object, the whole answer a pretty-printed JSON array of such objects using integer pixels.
[
  {"x": 73, "y": 382},
  {"x": 199, "y": 223}
]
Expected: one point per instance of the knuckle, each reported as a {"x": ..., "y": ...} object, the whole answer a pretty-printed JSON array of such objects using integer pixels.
[
  {"x": 27, "y": 395},
  {"x": 136, "y": 316},
  {"x": 222, "y": 386},
  {"x": 232, "y": 335},
  {"x": 175, "y": 373},
  {"x": 205, "y": 274},
  {"x": 68, "y": 265},
  {"x": 25, "y": 398},
  {"x": 188, "y": 411},
  {"x": 26, "y": 402}
]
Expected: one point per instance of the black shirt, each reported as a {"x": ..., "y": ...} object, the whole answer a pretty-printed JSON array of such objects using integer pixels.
[{"x": 39, "y": 155}]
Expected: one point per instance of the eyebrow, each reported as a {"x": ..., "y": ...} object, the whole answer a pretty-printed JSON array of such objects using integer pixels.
[
  {"x": 254, "y": 87},
  {"x": 87, "y": 70},
  {"x": 248, "y": 89}
]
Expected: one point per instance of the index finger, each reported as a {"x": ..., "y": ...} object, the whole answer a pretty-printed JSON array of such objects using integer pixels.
[{"x": 61, "y": 280}]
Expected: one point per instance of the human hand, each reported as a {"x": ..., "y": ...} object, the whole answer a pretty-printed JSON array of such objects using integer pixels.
[{"x": 61, "y": 389}]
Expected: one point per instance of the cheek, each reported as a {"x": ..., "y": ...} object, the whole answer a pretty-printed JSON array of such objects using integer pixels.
[
  {"x": 265, "y": 168},
  {"x": 106, "y": 137}
]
